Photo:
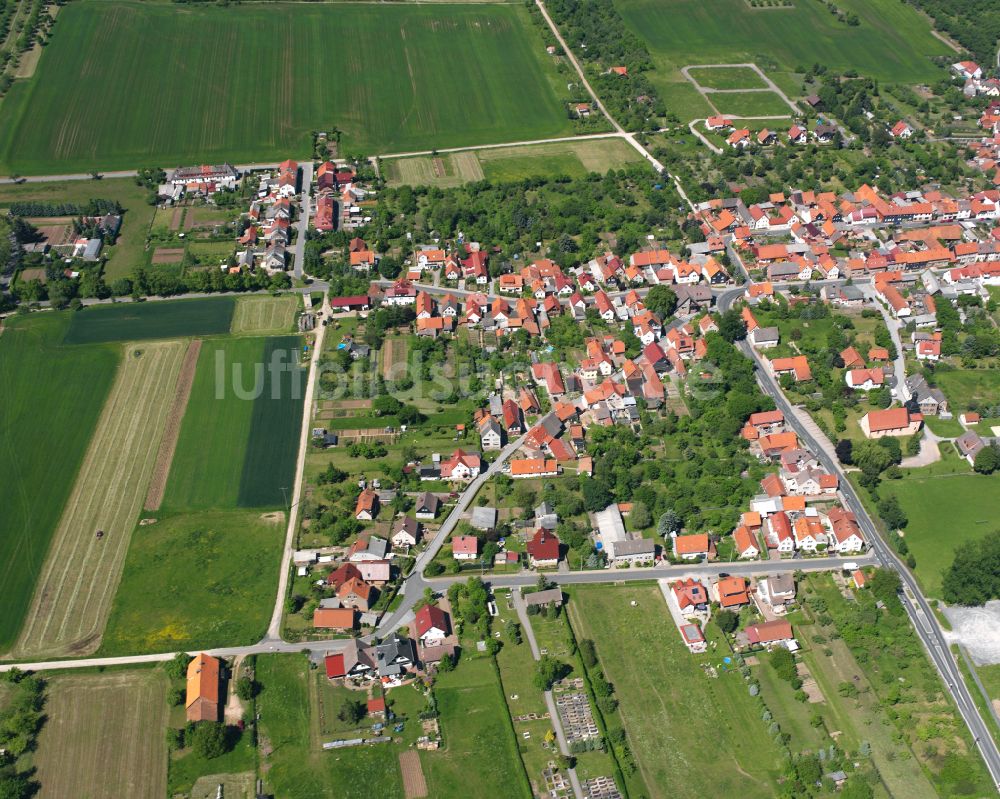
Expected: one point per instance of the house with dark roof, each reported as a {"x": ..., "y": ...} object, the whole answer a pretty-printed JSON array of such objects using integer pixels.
[
  {"x": 543, "y": 549},
  {"x": 395, "y": 655},
  {"x": 427, "y": 506}
]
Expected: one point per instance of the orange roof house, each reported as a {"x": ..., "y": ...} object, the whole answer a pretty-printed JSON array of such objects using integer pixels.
[
  {"x": 691, "y": 546},
  {"x": 797, "y": 366},
  {"x": 732, "y": 592},
  {"x": 203, "y": 688},
  {"x": 334, "y": 618}
]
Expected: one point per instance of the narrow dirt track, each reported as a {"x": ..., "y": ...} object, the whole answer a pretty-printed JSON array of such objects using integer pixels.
[{"x": 172, "y": 431}]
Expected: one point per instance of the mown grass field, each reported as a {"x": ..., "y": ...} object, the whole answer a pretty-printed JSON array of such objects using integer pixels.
[
  {"x": 235, "y": 555},
  {"x": 151, "y": 320},
  {"x": 500, "y": 164},
  {"x": 727, "y": 78},
  {"x": 50, "y": 399},
  {"x": 264, "y": 315},
  {"x": 297, "y": 767},
  {"x": 892, "y": 43},
  {"x": 240, "y": 433},
  {"x": 78, "y": 582},
  {"x": 967, "y": 388},
  {"x": 394, "y": 85},
  {"x": 945, "y": 511},
  {"x": 692, "y": 735},
  {"x": 751, "y": 104},
  {"x": 104, "y": 737}
]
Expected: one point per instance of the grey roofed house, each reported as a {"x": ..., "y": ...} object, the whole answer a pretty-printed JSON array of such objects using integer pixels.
[
  {"x": 496, "y": 405},
  {"x": 693, "y": 297},
  {"x": 92, "y": 250},
  {"x": 781, "y": 269},
  {"x": 765, "y": 335},
  {"x": 484, "y": 518},
  {"x": 544, "y": 597},
  {"x": 359, "y": 657},
  {"x": 969, "y": 445},
  {"x": 546, "y": 516},
  {"x": 427, "y": 506},
  {"x": 931, "y": 400},
  {"x": 781, "y": 586},
  {"x": 330, "y": 602},
  {"x": 631, "y": 548},
  {"x": 408, "y": 525},
  {"x": 377, "y": 547},
  {"x": 394, "y": 655},
  {"x": 552, "y": 425}
]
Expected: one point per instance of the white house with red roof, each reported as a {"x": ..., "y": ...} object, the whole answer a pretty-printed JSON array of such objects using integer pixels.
[
  {"x": 461, "y": 466},
  {"x": 432, "y": 625}
]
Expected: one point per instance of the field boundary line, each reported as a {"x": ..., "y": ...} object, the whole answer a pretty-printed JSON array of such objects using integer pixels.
[{"x": 172, "y": 431}]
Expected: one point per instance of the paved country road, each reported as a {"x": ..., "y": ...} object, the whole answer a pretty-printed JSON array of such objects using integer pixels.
[{"x": 916, "y": 604}]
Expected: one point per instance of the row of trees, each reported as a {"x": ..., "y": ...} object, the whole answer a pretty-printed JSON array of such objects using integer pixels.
[{"x": 20, "y": 722}]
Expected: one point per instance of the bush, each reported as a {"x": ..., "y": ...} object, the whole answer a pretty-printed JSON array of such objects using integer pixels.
[{"x": 210, "y": 740}]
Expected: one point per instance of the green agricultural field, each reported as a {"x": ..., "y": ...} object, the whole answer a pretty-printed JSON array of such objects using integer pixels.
[
  {"x": 235, "y": 555},
  {"x": 945, "y": 511},
  {"x": 969, "y": 388},
  {"x": 893, "y": 43},
  {"x": 297, "y": 767},
  {"x": 151, "y": 319},
  {"x": 727, "y": 78},
  {"x": 50, "y": 399},
  {"x": 269, "y": 465},
  {"x": 237, "y": 446},
  {"x": 751, "y": 104},
  {"x": 77, "y": 584},
  {"x": 670, "y": 706},
  {"x": 293, "y": 72}
]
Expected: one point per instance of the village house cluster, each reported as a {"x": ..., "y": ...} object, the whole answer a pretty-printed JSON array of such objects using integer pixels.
[{"x": 804, "y": 235}]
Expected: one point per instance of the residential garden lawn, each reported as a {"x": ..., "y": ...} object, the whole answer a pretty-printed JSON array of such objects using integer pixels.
[
  {"x": 266, "y": 315},
  {"x": 751, "y": 104},
  {"x": 480, "y": 755},
  {"x": 235, "y": 555},
  {"x": 81, "y": 572},
  {"x": 946, "y": 428},
  {"x": 129, "y": 321},
  {"x": 892, "y": 43},
  {"x": 104, "y": 737},
  {"x": 969, "y": 388},
  {"x": 161, "y": 113},
  {"x": 945, "y": 511},
  {"x": 792, "y": 715},
  {"x": 50, "y": 399},
  {"x": 129, "y": 249},
  {"x": 239, "y": 440},
  {"x": 297, "y": 766},
  {"x": 669, "y": 705},
  {"x": 727, "y": 78}
]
